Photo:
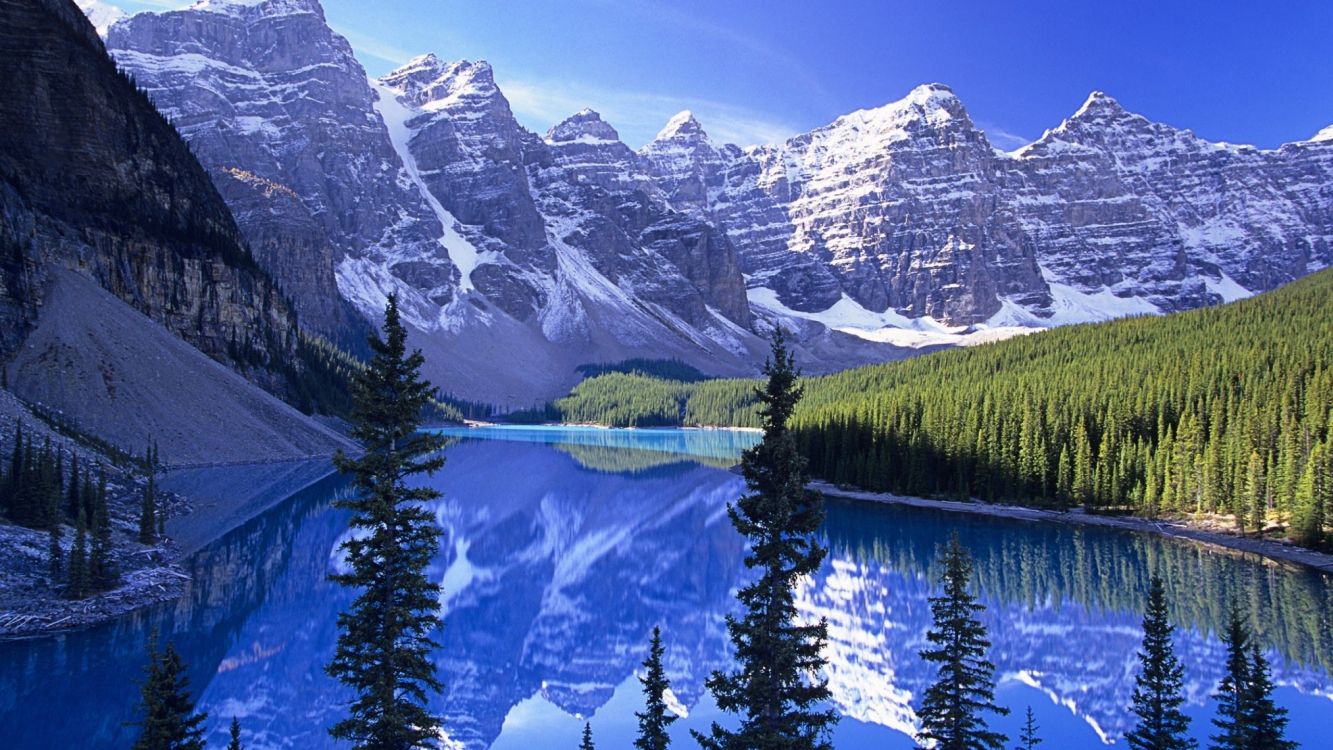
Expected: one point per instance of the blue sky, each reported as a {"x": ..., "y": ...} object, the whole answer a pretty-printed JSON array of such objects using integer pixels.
[{"x": 1258, "y": 73}]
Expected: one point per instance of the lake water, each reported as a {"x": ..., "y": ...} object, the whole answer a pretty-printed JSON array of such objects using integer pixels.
[{"x": 562, "y": 548}]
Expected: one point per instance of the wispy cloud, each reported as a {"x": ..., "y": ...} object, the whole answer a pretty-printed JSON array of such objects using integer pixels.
[
  {"x": 753, "y": 48},
  {"x": 1001, "y": 138},
  {"x": 370, "y": 46},
  {"x": 132, "y": 6},
  {"x": 637, "y": 115}
]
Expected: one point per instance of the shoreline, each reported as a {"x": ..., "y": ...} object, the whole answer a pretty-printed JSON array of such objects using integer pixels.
[
  {"x": 598, "y": 426},
  {"x": 207, "y": 518},
  {"x": 1269, "y": 549}
]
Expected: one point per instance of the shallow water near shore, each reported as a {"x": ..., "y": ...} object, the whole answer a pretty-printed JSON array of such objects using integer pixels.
[{"x": 563, "y": 547}]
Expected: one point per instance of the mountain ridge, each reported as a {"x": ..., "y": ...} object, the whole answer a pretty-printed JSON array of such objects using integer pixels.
[{"x": 887, "y": 230}]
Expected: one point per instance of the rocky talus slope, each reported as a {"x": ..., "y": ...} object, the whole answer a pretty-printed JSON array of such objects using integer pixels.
[{"x": 125, "y": 279}]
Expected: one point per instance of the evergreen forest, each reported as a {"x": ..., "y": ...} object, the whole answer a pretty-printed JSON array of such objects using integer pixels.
[{"x": 1225, "y": 410}]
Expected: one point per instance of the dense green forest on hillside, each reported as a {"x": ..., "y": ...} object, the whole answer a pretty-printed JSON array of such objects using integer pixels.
[{"x": 1222, "y": 410}]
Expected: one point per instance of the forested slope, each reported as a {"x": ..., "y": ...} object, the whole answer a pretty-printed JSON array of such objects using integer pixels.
[{"x": 1221, "y": 410}]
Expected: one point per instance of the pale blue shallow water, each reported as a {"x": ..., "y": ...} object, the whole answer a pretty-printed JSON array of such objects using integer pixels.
[{"x": 563, "y": 547}]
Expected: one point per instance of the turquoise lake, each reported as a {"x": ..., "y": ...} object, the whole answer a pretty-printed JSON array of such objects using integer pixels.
[{"x": 563, "y": 547}]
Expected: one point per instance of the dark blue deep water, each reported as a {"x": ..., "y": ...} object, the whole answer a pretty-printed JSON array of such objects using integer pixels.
[{"x": 562, "y": 548}]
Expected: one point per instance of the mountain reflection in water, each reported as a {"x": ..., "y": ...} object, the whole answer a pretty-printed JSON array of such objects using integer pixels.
[{"x": 562, "y": 548}]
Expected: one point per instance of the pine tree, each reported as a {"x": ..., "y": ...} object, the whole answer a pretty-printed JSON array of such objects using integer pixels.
[
  {"x": 235, "y": 743},
  {"x": 169, "y": 719},
  {"x": 1028, "y": 739},
  {"x": 148, "y": 513},
  {"x": 1083, "y": 467},
  {"x": 87, "y": 496},
  {"x": 73, "y": 500},
  {"x": 57, "y": 491},
  {"x": 655, "y": 719},
  {"x": 951, "y": 708},
  {"x": 13, "y": 483},
  {"x": 1308, "y": 511},
  {"x": 1233, "y": 693},
  {"x": 586, "y": 744},
  {"x": 55, "y": 555},
  {"x": 79, "y": 580},
  {"x": 1159, "y": 686},
  {"x": 101, "y": 570},
  {"x": 1267, "y": 722},
  {"x": 1251, "y": 502},
  {"x": 384, "y": 640},
  {"x": 778, "y": 684}
]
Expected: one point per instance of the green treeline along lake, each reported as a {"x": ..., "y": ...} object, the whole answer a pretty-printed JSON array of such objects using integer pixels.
[{"x": 1227, "y": 409}]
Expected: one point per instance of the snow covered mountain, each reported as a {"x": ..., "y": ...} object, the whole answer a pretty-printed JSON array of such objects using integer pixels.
[
  {"x": 894, "y": 227},
  {"x": 504, "y": 247},
  {"x": 908, "y": 211}
]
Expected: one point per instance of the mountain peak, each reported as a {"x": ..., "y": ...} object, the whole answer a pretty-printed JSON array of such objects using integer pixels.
[
  {"x": 427, "y": 78},
  {"x": 932, "y": 92},
  {"x": 421, "y": 67},
  {"x": 936, "y": 101},
  {"x": 261, "y": 8},
  {"x": 102, "y": 15},
  {"x": 1324, "y": 135},
  {"x": 585, "y": 125},
  {"x": 932, "y": 103},
  {"x": 428, "y": 60},
  {"x": 1100, "y": 104},
  {"x": 683, "y": 125}
]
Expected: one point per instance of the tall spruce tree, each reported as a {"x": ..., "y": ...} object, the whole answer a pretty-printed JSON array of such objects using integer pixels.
[
  {"x": 234, "y": 742},
  {"x": 73, "y": 500},
  {"x": 655, "y": 718},
  {"x": 148, "y": 512},
  {"x": 55, "y": 556},
  {"x": 78, "y": 577},
  {"x": 169, "y": 719},
  {"x": 1159, "y": 686},
  {"x": 101, "y": 569},
  {"x": 1308, "y": 508},
  {"x": 1266, "y": 722},
  {"x": 1028, "y": 739},
  {"x": 778, "y": 684},
  {"x": 951, "y": 709},
  {"x": 1233, "y": 694},
  {"x": 385, "y": 638},
  {"x": 586, "y": 743},
  {"x": 14, "y": 477}
]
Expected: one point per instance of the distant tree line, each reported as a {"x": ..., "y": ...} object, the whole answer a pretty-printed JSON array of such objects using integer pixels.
[{"x": 666, "y": 369}]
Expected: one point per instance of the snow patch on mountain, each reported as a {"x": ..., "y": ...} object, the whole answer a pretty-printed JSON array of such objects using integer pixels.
[
  {"x": 1227, "y": 288},
  {"x": 1071, "y": 306},
  {"x": 465, "y": 256},
  {"x": 266, "y": 8},
  {"x": 889, "y": 327},
  {"x": 368, "y": 285}
]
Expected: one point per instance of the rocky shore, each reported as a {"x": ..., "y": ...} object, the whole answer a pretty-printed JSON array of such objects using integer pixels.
[{"x": 1203, "y": 532}]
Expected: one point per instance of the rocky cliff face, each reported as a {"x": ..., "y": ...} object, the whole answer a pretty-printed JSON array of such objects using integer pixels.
[
  {"x": 275, "y": 106},
  {"x": 908, "y": 211},
  {"x": 423, "y": 183},
  {"x": 1114, "y": 200},
  {"x": 102, "y": 209},
  {"x": 93, "y": 179},
  {"x": 559, "y": 237}
]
